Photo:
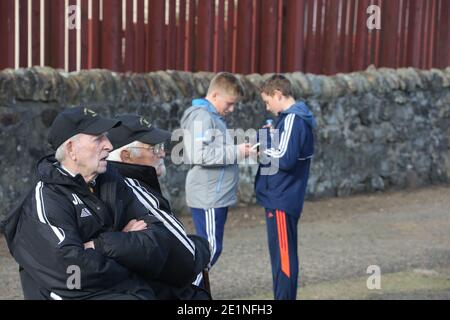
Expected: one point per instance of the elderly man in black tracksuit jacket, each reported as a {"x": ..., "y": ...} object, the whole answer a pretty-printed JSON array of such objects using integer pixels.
[
  {"x": 90, "y": 221},
  {"x": 139, "y": 157}
]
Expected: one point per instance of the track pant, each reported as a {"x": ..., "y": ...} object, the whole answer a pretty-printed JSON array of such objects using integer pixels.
[
  {"x": 210, "y": 224},
  {"x": 282, "y": 239}
]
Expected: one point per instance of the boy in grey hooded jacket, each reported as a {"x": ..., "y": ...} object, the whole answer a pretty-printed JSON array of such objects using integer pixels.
[{"x": 211, "y": 183}]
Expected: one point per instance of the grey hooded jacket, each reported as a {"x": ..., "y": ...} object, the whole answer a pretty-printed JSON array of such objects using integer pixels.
[{"x": 210, "y": 150}]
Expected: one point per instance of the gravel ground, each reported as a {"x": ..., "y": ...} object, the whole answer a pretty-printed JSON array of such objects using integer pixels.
[{"x": 338, "y": 239}]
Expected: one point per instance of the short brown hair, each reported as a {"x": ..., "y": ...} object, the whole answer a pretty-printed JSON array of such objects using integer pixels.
[
  {"x": 277, "y": 82},
  {"x": 228, "y": 83}
]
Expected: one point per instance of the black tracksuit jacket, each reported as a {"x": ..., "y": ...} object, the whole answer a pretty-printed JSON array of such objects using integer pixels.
[
  {"x": 143, "y": 182},
  {"x": 47, "y": 232}
]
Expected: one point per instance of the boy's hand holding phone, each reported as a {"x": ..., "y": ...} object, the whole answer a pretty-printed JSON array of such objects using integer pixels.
[{"x": 246, "y": 150}]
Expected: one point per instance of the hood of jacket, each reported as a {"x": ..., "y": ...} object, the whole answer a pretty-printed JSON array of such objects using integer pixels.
[
  {"x": 300, "y": 109},
  {"x": 203, "y": 104}
]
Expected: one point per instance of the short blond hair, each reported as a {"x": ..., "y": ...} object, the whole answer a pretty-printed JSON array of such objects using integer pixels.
[{"x": 228, "y": 83}]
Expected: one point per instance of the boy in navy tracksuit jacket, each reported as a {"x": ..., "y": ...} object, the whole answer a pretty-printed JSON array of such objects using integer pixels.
[{"x": 281, "y": 189}]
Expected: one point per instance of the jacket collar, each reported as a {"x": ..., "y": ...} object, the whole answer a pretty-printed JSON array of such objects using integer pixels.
[
  {"x": 145, "y": 174},
  {"x": 49, "y": 171}
]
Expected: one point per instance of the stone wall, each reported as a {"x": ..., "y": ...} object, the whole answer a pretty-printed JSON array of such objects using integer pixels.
[{"x": 377, "y": 129}]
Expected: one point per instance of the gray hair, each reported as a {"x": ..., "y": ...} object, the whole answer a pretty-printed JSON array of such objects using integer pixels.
[
  {"x": 115, "y": 154},
  {"x": 60, "y": 153}
]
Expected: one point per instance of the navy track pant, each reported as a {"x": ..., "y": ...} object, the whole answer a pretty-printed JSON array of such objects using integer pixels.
[
  {"x": 210, "y": 224},
  {"x": 282, "y": 239}
]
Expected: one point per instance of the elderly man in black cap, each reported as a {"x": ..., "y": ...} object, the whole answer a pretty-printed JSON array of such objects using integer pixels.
[
  {"x": 139, "y": 157},
  {"x": 81, "y": 233}
]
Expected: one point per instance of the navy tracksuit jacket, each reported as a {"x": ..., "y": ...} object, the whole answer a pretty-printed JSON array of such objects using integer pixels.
[{"x": 280, "y": 188}]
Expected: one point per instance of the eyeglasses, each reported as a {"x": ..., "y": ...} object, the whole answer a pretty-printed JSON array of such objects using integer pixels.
[{"x": 157, "y": 148}]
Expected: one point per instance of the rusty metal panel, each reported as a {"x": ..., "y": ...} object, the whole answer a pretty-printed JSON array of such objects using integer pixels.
[
  {"x": 269, "y": 24},
  {"x": 331, "y": 37},
  {"x": 35, "y": 33},
  {"x": 57, "y": 22},
  {"x": 72, "y": 43},
  {"x": 310, "y": 34},
  {"x": 111, "y": 52},
  {"x": 433, "y": 24},
  {"x": 190, "y": 37},
  {"x": 401, "y": 62},
  {"x": 156, "y": 36},
  {"x": 181, "y": 37},
  {"x": 256, "y": 36},
  {"x": 443, "y": 44},
  {"x": 230, "y": 36},
  {"x": 84, "y": 33},
  {"x": 205, "y": 36},
  {"x": 244, "y": 36},
  {"x": 172, "y": 36},
  {"x": 279, "y": 56},
  {"x": 23, "y": 33},
  {"x": 295, "y": 21},
  {"x": 426, "y": 34},
  {"x": 219, "y": 37},
  {"x": 7, "y": 34},
  {"x": 389, "y": 33},
  {"x": 47, "y": 32},
  {"x": 342, "y": 29},
  {"x": 349, "y": 36},
  {"x": 315, "y": 36},
  {"x": 139, "y": 38},
  {"x": 94, "y": 36},
  {"x": 360, "y": 53},
  {"x": 129, "y": 37},
  {"x": 415, "y": 42}
]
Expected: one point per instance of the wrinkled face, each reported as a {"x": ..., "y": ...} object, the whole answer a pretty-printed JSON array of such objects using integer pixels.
[
  {"x": 148, "y": 155},
  {"x": 272, "y": 102},
  {"x": 90, "y": 153},
  {"x": 224, "y": 103}
]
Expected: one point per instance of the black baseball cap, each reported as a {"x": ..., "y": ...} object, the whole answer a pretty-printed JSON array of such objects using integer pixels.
[
  {"x": 77, "y": 120},
  {"x": 136, "y": 128}
]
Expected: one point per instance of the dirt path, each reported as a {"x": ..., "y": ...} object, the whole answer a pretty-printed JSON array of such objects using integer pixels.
[{"x": 406, "y": 234}]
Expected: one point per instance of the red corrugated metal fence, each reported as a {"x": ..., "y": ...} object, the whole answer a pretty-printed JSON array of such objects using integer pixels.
[{"x": 242, "y": 36}]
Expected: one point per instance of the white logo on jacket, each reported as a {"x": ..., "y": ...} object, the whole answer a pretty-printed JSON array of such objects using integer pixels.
[
  {"x": 76, "y": 200},
  {"x": 85, "y": 213}
]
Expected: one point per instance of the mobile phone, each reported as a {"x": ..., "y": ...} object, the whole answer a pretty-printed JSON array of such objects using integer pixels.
[{"x": 255, "y": 146}]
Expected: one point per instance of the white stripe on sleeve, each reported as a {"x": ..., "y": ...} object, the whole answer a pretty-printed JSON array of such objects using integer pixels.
[
  {"x": 285, "y": 136},
  {"x": 151, "y": 205},
  {"x": 40, "y": 207}
]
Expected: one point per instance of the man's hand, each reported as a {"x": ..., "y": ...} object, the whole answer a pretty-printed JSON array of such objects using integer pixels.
[
  {"x": 245, "y": 149},
  {"x": 135, "y": 225},
  {"x": 89, "y": 245}
]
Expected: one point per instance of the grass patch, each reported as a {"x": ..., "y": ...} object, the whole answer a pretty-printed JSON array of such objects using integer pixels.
[{"x": 393, "y": 285}]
